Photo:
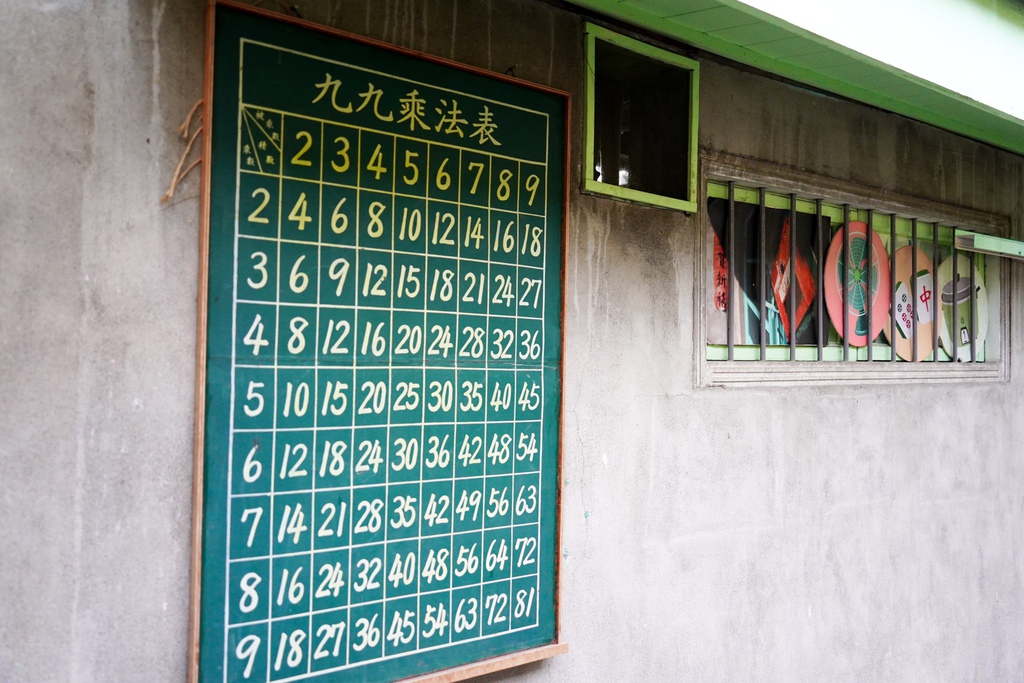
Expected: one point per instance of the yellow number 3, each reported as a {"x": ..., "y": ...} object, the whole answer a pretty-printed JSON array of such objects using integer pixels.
[{"x": 343, "y": 153}]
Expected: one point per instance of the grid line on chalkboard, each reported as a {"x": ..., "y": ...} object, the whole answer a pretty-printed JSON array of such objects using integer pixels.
[
  {"x": 243, "y": 496},
  {"x": 231, "y": 390},
  {"x": 396, "y": 135},
  {"x": 379, "y": 308},
  {"x": 295, "y": 553},
  {"x": 540, "y": 499},
  {"x": 316, "y": 392},
  {"x": 396, "y": 193}
]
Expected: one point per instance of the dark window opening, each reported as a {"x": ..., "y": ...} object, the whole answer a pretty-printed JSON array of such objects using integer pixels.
[{"x": 641, "y": 123}]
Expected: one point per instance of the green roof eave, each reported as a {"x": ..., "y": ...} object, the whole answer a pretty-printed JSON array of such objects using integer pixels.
[{"x": 746, "y": 35}]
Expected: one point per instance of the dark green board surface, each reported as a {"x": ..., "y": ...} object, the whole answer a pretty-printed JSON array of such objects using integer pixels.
[{"x": 384, "y": 351}]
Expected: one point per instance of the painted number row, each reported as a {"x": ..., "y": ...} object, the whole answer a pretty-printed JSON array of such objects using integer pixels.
[{"x": 336, "y": 638}]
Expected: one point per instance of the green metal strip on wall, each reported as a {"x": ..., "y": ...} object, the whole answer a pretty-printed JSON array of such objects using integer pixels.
[{"x": 989, "y": 244}]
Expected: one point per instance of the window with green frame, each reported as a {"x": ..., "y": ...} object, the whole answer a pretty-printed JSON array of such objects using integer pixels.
[
  {"x": 641, "y": 122},
  {"x": 915, "y": 290}
]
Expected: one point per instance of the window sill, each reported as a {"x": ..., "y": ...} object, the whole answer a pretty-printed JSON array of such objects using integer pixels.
[
  {"x": 784, "y": 373},
  {"x": 631, "y": 195}
]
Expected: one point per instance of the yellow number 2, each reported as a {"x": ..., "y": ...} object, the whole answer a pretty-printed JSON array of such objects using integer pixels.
[
  {"x": 255, "y": 216},
  {"x": 297, "y": 159}
]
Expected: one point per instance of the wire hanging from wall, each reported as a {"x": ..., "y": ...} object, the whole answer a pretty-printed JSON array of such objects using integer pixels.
[{"x": 184, "y": 129}]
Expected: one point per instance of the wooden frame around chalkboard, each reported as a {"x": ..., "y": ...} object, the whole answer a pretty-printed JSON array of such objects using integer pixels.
[{"x": 459, "y": 673}]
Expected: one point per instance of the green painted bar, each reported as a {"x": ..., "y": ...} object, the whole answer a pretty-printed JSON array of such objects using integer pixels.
[{"x": 990, "y": 245}]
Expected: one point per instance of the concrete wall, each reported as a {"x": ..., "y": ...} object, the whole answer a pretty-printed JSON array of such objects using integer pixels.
[{"x": 840, "y": 533}]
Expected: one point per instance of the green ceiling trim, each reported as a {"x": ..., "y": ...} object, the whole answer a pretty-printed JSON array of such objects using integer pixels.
[
  {"x": 716, "y": 19},
  {"x": 882, "y": 66},
  {"x": 794, "y": 46},
  {"x": 831, "y": 67},
  {"x": 751, "y": 34}
]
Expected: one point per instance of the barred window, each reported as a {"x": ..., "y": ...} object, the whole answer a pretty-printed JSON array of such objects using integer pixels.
[{"x": 803, "y": 278}]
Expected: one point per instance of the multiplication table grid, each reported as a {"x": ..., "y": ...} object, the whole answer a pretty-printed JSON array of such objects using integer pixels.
[{"x": 387, "y": 405}]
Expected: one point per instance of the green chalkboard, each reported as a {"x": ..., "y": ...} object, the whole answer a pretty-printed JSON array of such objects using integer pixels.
[{"x": 382, "y": 381}]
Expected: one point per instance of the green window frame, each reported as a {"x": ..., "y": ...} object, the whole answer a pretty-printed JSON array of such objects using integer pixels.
[{"x": 594, "y": 33}]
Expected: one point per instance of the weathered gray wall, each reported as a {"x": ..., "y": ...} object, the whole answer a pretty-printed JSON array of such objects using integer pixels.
[
  {"x": 97, "y": 326},
  {"x": 841, "y": 533}
]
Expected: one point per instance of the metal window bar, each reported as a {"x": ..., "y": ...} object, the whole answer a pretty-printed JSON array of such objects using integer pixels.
[
  {"x": 869, "y": 300},
  {"x": 936, "y": 296},
  {"x": 892, "y": 288},
  {"x": 761, "y": 276},
  {"x": 913, "y": 289},
  {"x": 821, "y": 281},
  {"x": 846, "y": 284},
  {"x": 730, "y": 251},
  {"x": 953, "y": 332},
  {"x": 792, "y": 277},
  {"x": 974, "y": 312}
]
